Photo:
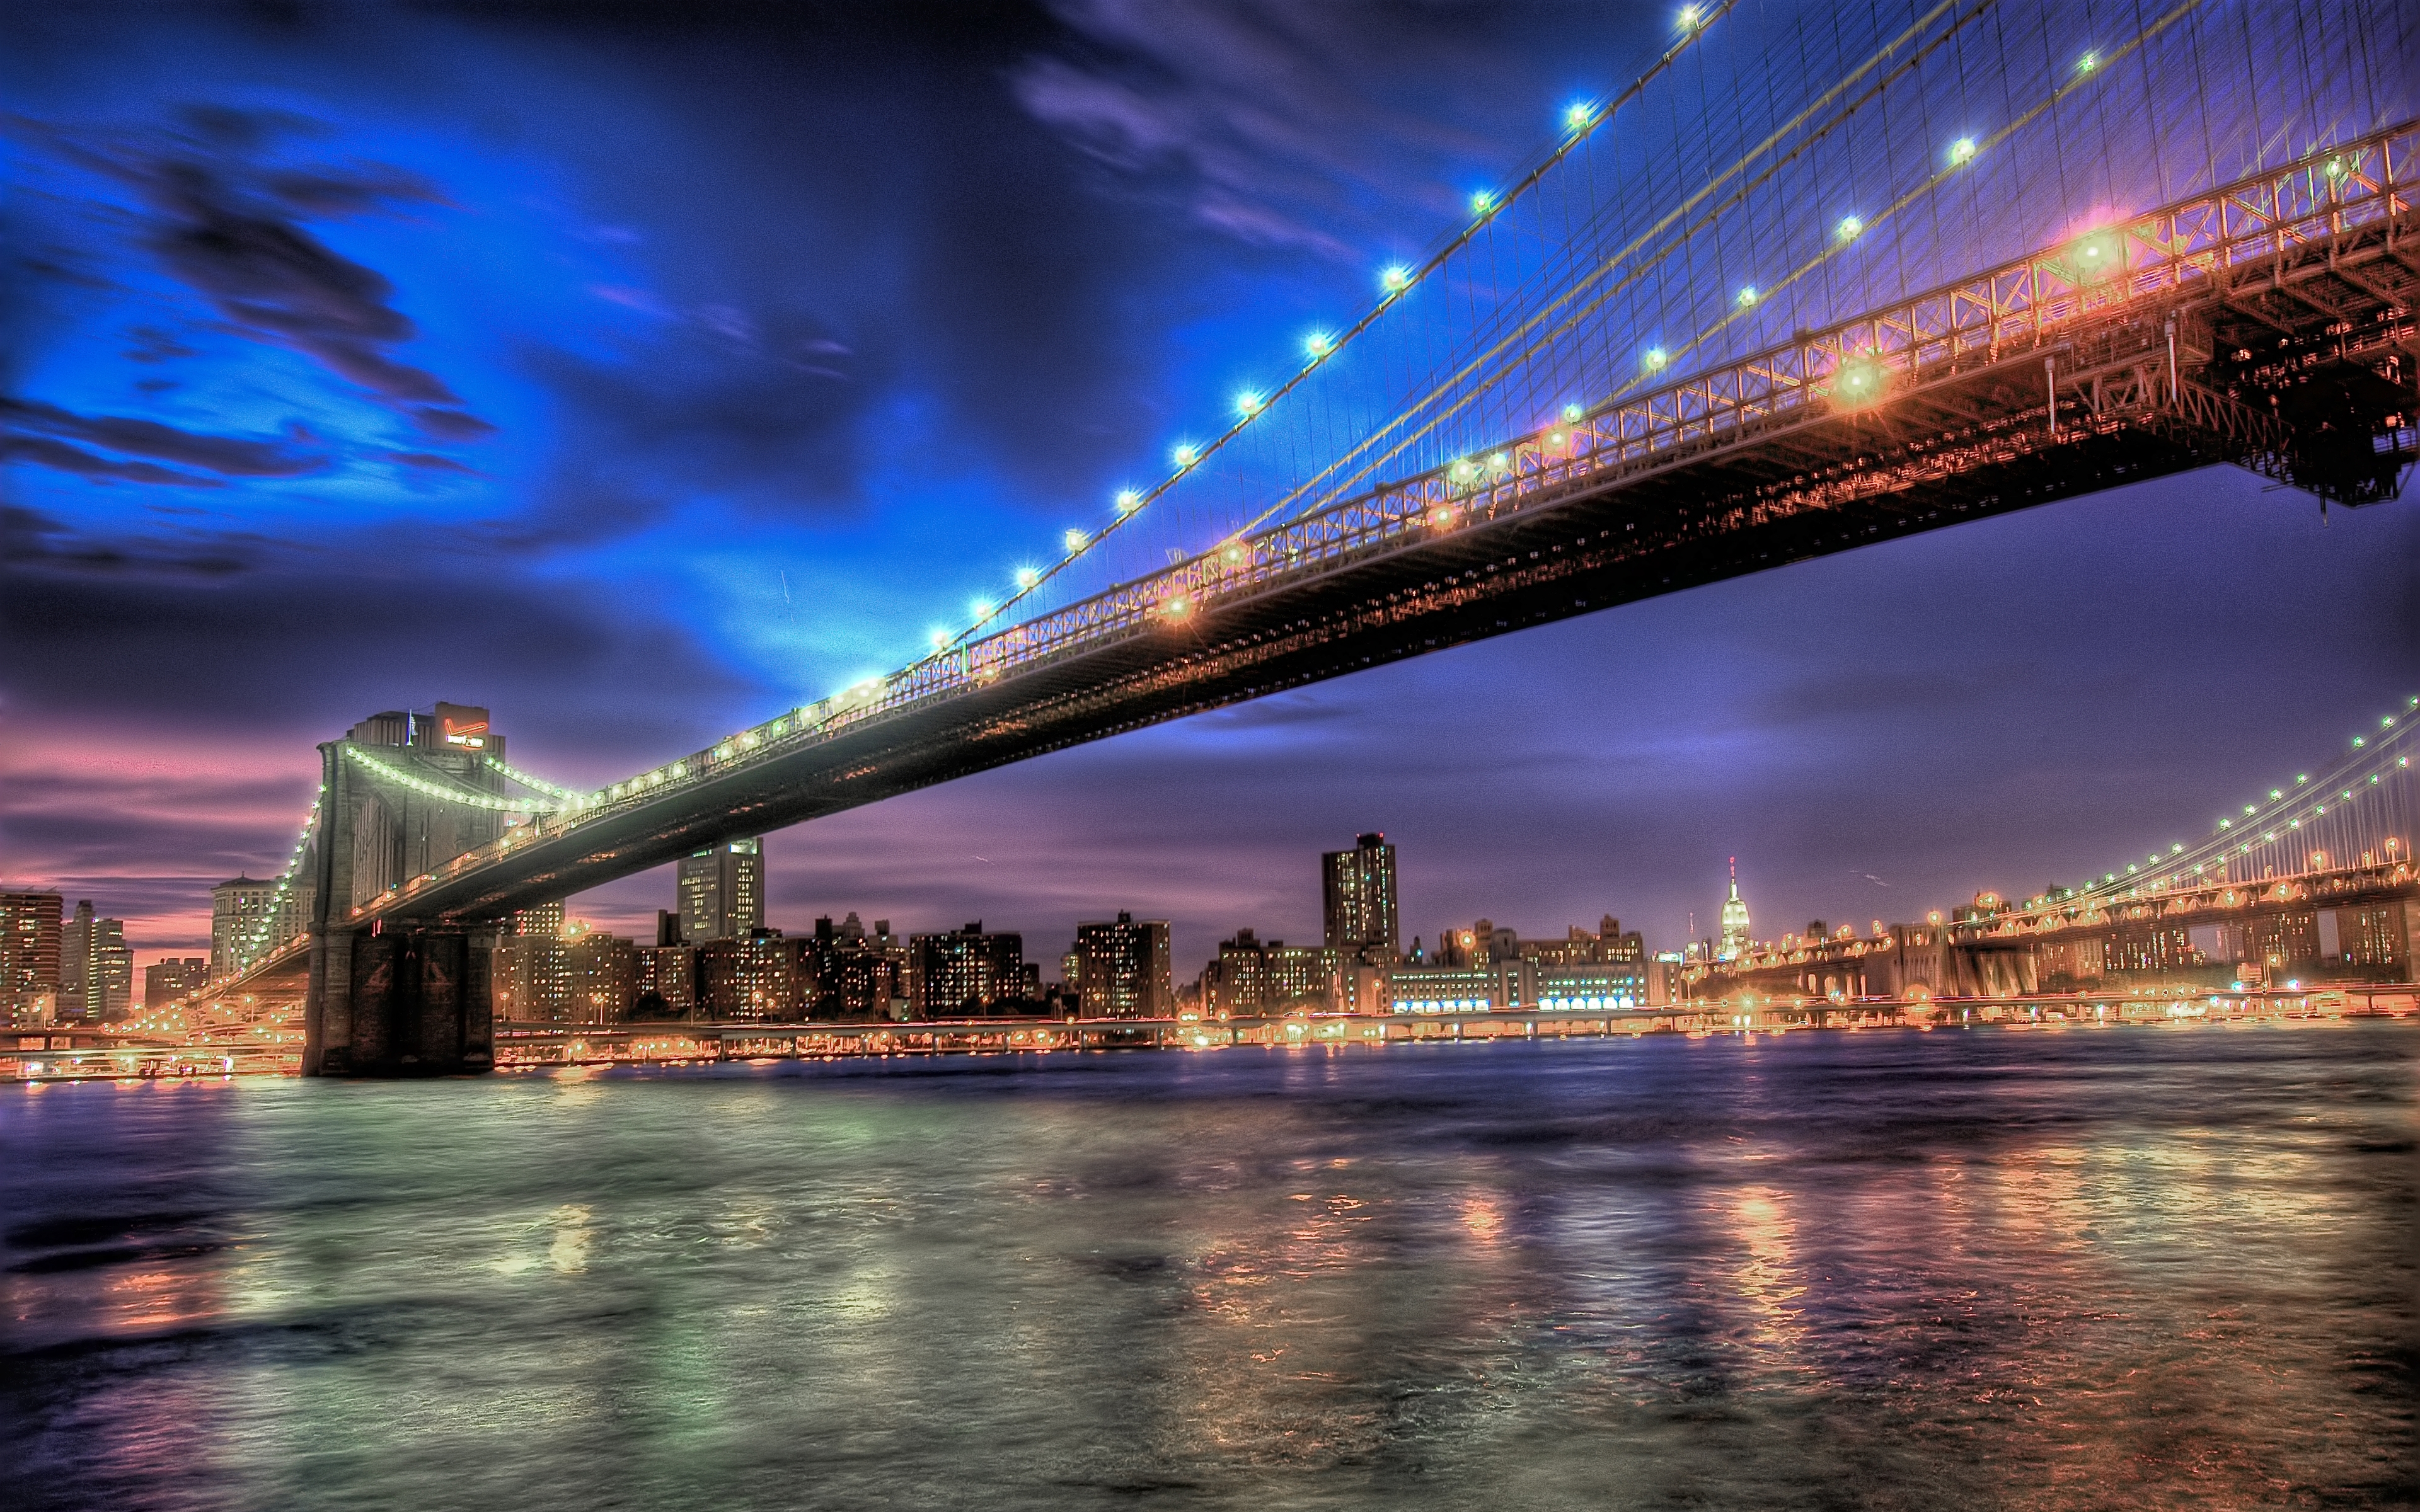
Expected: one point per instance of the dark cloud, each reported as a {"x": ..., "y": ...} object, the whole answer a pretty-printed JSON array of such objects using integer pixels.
[
  {"x": 430, "y": 462},
  {"x": 66, "y": 459},
  {"x": 311, "y": 639},
  {"x": 226, "y": 456},
  {"x": 227, "y": 228}
]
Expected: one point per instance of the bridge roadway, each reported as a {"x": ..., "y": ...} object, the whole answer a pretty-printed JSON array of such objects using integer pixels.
[{"x": 2269, "y": 324}]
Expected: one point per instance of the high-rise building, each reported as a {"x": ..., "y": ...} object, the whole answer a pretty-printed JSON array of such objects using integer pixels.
[
  {"x": 848, "y": 974},
  {"x": 667, "y": 983},
  {"x": 1358, "y": 888},
  {"x": 249, "y": 919},
  {"x": 529, "y": 979},
  {"x": 964, "y": 972},
  {"x": 1734, "y": 922},
  {"x": 721, "y": 891},
  {"x": 544, "y": 919},
  {"x": 171, "y": 977},
  {"x": 29, "y": 956},
  {"x": 96, "y": 968},
  {"x": 1123, "y": 968},
  {"x": 601, "y": 976},
  {"x": 1255, "y": 976}
]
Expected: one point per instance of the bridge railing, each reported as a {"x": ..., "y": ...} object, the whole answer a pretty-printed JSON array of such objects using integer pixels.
[{"x": 2018, "y": 309}]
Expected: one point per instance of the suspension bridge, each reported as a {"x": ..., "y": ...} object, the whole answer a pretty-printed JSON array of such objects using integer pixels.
[{"x": 1806, "y": 284}]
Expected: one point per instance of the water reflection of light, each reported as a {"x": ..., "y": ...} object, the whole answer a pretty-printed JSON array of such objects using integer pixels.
[{"x": 1484, "y": 1218}]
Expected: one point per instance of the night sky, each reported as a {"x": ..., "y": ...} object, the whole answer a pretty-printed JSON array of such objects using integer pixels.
[{"x": 640, "y": 378}]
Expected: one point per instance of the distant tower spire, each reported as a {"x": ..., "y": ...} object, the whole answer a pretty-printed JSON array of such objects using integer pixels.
[{"x": 1734, "y": 921}]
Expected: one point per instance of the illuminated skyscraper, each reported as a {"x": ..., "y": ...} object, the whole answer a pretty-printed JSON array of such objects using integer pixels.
[
  {"x": 1734, "y": 940},
  {"x": 167, "y": 980},
  {"x": 722, "y": 891},
  {"x": 966, "y": 972},
  {"x": 96, "y": 969},
  {"x": 1122, "y": 968},
  {"x": 249, "y": 919},
  {"x": 29, "y": 955},
  {"x": 1357, "y": 888}
]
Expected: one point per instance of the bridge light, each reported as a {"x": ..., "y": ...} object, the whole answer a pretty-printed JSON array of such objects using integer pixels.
[
  {"x": 1073, "y": 540},
  {"x": 1500, "y": 462},
  {"x": 982, "y": 608},
  {"x": 1850, "y": 228},
  {"x": 1482, "y": 201},
  {"x": 1571, "y": 413},
  {"x": 1748, "y": 296},
  {"x": 1129, "y": 500},
  {"x": 1395, "y": 278},
  {"x": 1578, "y": 115},
  {"x": 1857, "y": 383},
  {"x": 2088, "y": 62},
  {"x": 1319, "y": 344},
  {"x": 1961, "y": 152},
  {"x": 1028, "y": 577},
  {"x": 939, "y": 638},
  {"x": 1184, "y": 453},
  {"x": 1441, "y": 516},
  {"x": 1177, "y": 608},
  {"x": 1655, "y": 359},
  {"x": 1250, "y": 403},
  {"x": 1692, "y": 17}
]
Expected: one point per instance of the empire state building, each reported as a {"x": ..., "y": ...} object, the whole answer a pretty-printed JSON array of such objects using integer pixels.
[{"x": 1734, "y": 940}]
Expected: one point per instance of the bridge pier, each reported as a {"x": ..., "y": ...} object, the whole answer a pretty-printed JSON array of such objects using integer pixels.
[{"x": 399, "y": 1002}]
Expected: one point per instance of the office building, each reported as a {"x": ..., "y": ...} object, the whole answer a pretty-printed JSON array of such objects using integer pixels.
[
  {"x": 965, "y": 973},
  {"x": 165, "y": 980},
  {"x": 721, "y": 891},
  {"x": 96, "y": 969},
  {"x": 1122, "y": 968},
  {"x": 1358, "y": 894},
  {"x": 30, "y": 924}
]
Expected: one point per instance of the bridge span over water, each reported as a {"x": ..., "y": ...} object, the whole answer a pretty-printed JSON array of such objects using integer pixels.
[{"x": 1579, "y": 401}]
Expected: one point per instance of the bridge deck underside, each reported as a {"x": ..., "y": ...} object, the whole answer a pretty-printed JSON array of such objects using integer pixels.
[{"x": 2286, "y": 369}]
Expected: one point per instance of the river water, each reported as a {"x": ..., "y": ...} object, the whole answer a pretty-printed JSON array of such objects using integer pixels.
[{"x": 2112, "y": 1268}]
